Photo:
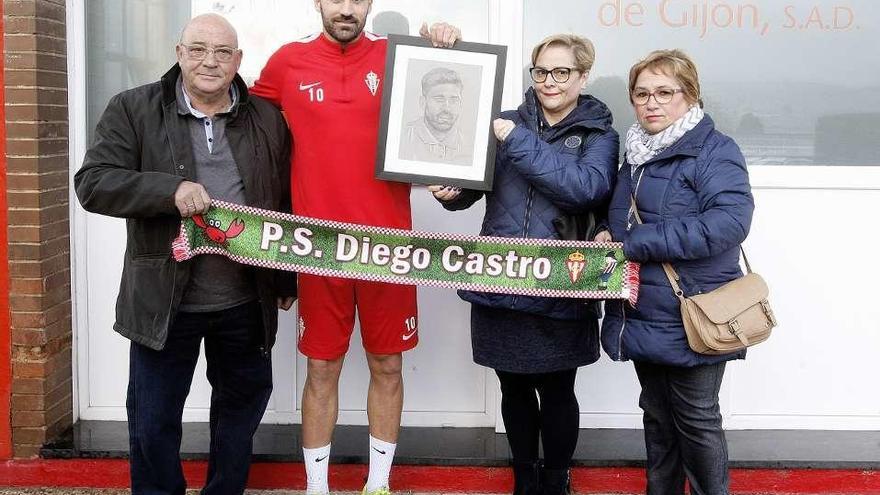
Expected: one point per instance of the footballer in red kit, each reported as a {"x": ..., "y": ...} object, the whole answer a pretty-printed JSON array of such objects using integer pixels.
[
  {"x": 331, "y": 94},
  {"x": 329, "y": 86}
]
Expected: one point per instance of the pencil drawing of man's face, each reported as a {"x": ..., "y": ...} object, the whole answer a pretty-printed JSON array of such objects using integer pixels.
[
  {"x": 441, "y": 98},
  {"x": 438, "y": 123},
  {"x": 443, "y": 106}
]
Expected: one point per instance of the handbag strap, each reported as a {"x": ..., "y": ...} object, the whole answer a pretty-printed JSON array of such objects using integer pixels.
[
  {"x": 746, "y": 259},
  {"x": 671, "y": 274}
]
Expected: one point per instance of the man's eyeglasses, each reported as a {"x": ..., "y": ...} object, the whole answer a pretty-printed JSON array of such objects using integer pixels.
[
  {"x": 199, "y": 52},
  {"x": 559, "y": 74},
  {"x": 661, "y": 95}
]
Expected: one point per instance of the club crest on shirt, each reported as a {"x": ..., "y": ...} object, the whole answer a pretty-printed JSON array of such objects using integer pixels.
[
  {"x": 572, "y": 142},
  {"x": 372, "y": 81}
]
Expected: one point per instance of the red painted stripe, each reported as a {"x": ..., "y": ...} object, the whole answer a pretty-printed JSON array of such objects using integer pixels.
[
  {"x": 806, "y": 481},
  {"x": 104, "y": 473},
  {"x": 113, "y": 473},
  {"x": 5, "y": 330}
]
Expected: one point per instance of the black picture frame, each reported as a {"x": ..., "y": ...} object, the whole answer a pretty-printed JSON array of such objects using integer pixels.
[{"x": 424, "y": 136}]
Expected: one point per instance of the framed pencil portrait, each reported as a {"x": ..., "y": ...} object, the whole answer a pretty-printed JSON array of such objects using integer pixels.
[{"x": 437, "y": 110}]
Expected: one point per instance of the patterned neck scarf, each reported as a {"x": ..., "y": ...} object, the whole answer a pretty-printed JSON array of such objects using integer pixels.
[{"x": 641, "y": 146}]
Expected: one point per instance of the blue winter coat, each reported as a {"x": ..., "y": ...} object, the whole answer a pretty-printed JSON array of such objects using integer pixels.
[
  {"x": 543, "y": 172},
  {"x": 696, "y": 204}
]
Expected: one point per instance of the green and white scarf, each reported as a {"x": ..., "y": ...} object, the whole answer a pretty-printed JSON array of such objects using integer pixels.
[{"x": 535, "y": 267}]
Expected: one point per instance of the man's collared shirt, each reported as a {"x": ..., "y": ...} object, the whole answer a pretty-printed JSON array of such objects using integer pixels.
[
  {"x": 210, "y": 127},
  {"x": 420, "y": 144},
  {"x": 215, "y": 283}
]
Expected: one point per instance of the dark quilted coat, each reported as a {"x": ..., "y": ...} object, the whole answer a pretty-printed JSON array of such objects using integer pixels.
[
  {"x": 543, "y": 172},
  {"x": 696, "y": 204}
]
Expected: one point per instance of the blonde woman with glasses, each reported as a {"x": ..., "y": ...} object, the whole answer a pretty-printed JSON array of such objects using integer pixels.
[{"x": 556, "y": 161}]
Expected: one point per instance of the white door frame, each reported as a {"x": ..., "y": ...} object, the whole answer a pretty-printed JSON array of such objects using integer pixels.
[{"x": 77, "y": 137}]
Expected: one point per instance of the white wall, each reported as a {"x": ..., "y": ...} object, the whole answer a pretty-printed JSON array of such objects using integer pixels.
[{"x": 815, "y": 247}]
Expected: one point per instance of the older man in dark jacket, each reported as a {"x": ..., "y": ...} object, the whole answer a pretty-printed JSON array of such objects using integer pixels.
[{"x": 161, "y": 152}]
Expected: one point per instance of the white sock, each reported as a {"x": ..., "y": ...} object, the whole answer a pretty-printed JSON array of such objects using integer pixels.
[
  {"x": 317, "y": 461},
  {"x": 381, "y": 457}
]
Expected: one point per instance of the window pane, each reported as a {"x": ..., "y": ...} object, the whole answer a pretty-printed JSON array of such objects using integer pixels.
[
  {"x": 794, "y": 83},
  {"x": 128, "y": 43},
  {"x": 265, "y": 25}
]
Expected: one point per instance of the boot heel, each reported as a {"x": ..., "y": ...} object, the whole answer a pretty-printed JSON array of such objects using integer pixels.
[
  {"x": 555, "y": 482},
  {"x": 525, "y": 478}
]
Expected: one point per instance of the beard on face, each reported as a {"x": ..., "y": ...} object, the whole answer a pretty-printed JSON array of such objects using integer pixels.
[
  {"x": 442, "y": 121},
  {"x": 343, "y": 33}
]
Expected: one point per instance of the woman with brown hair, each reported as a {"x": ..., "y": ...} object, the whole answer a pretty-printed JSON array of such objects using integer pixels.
[{"x": 683, "y": 197}]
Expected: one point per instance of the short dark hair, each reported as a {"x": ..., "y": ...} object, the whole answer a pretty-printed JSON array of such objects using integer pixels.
[{"x": 440, "y": 75}]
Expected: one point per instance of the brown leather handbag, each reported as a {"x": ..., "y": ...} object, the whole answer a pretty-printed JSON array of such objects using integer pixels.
[{"x": 730, "y": 318}]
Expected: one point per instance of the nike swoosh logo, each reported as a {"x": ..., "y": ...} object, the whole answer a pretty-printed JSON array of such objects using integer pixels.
[
  {"x": 319, "y": 459},
  {"x": 410, "y": 335},
  {"x": 303, "y": 87},
  {"x": 379, "y": 451}
]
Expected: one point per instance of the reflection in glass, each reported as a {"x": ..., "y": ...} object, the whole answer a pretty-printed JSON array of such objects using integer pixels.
[
  {"x": 793, "y": 84},
  {"x": 128, "y": 43}
]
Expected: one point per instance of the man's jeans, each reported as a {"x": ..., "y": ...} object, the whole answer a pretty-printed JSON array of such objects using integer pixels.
[
  {"x": 683, "y": 434},
  {"x": 159, "y": 381}
]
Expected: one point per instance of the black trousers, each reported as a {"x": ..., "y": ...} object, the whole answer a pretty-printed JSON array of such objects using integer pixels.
[
  {"x": 554, "y": 420},
  {"x": 159, "y": 381},
  {"x": 683, "y": 433}
]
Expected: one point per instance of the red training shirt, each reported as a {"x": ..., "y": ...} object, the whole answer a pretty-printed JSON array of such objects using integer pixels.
[{"x": 331, "y": 96}]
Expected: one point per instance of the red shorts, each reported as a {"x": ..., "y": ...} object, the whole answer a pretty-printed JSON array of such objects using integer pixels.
[{"x": 387, "y": 313}]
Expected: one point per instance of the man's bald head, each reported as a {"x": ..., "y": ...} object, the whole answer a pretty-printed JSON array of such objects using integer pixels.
[
  {"x": 209, "y": 57},
  {"x": 215, "y": 23}
]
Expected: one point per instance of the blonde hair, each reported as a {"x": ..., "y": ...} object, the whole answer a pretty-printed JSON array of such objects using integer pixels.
[
  {"x": 583, "y": 50},
  {"x": 673, "y": 63}
]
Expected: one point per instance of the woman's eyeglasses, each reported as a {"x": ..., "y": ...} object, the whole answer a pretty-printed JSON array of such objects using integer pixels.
[
  {"x": 559, "y": 74},
  {"x": 661, "y": 95}
]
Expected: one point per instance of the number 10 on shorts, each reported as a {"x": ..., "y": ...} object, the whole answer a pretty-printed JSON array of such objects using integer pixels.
[{"x": 411, "y": 327}]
